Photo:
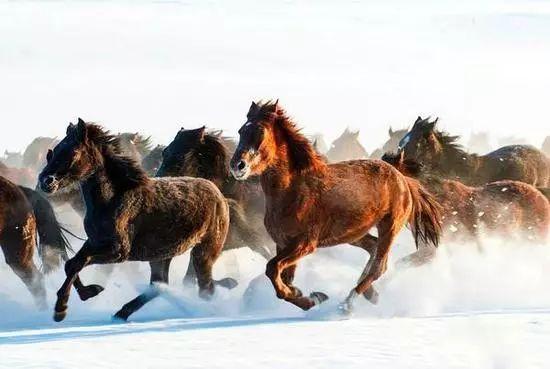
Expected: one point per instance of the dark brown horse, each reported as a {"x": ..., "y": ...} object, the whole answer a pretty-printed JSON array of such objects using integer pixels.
[
  {"x": 439, "y": 153},
  {"x": 312, "y": 204},
  {"x": 197, "y": 153},
  {"x": 152, "y": 161},
  {"x": 24, "y": 214},
  {"x": 132, "y": 217},
  {"x": 507, "y": 209},
  {"x": 346, "y": 147}
]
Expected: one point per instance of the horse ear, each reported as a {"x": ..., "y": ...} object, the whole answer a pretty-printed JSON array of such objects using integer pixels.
[
  {"x": 70, "y": 128},
  {"x": 276, "y": 106},
  {"x": 356, "y": 134},
  {"x": 81, "y": 130},
  {"x": 202, "y": 133},
  {"x": 390, "y": 131},
  {"x": 253, "y": 107}
]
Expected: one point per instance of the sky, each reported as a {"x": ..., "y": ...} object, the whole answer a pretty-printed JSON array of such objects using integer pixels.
[{"x": 156, "y": 66}]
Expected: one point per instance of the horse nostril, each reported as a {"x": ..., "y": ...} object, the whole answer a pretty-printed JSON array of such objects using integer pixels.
[
  {"x": 49, "y": 180},
  {"x": 241, "y": 165}
]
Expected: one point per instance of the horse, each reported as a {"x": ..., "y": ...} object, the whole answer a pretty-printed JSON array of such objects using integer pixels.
[
  {"x": 391, "y": 144},
  {"x": 24, "y": 214},
  {"x": 12, "y": 159},
  {"x": 135, "y": 145},
  {"x": 34, "y": 156},
  {"x": 130, "y": 216},
  {"x": 152, "y": 161},
  {"x": 442, "y": 156},
  {"x": 346, "y": 147},
  {"x": 506, "y": 209},
  {"x": 318, "y": 142},
  {"x": 479, "y": 142},
  {"x": 20, "y": 176},
  {"x": 198, "y": 153},
  {"x": 311, "y": 204}
]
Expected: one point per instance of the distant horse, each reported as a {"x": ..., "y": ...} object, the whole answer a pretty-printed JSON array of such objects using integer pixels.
[
  {"x": 12, "y": 159},
  {"x": 318, "y": 141},
  {"x": 34, "y": 156},
  {"x": 20, "y": 176},
  {"x": 507, "y": 209},
  {"x": 312, "y": 204},
  {"x": 24, "y": 214},
  {"x": 546, "y": 146},
  {"x": 346, "y": 147},
  {"x": 135, "y": 145},
  {"x": 132, "y": 217},
  {"x": 391, "y": 144},
  {"x": 479, "y": 143},
  {"x": 152, "y": 161},
  {"x": 196, "y": 153},
  {"x": 439, "y": 153}
]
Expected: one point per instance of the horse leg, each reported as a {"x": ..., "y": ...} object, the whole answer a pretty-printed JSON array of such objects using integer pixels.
[
  {"x": 85, "y": 256},
  {"x": 33, "y": 279},
  {"x": 190, "y": 278},
  {"x": 368, "y": 243},
  {"x": 378, "y": 263},
  {"x": 287, "y": 258},
  {"x": 159, "y": 274}
]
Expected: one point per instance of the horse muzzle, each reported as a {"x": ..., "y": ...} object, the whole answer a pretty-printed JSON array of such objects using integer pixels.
[
  {"x": 48, "y": 184},
  {"x": 240, "y": 170}
]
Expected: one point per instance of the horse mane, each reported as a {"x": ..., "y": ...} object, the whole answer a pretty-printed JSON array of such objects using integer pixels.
[
  {"x": 408, "y": 167},
  {"x": 124, "y": 171},
  {"x": 211, "y": 157},
  {"x": 302, "y": 154}
]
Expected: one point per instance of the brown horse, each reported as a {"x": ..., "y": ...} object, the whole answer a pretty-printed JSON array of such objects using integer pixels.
[
  {"x": 197, "y": 153},
  {"x": 442, "y": 156},
  {"x": 506, "y": 209},
  {"x": 312, "y": 204},
  {"x": 346, "y": 147},
  {"x": 132, "y": 217},
  {"x": 24, "y": 214}
]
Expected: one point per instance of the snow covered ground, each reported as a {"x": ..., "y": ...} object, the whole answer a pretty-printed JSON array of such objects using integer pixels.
[{"x": 464, "y": 310}]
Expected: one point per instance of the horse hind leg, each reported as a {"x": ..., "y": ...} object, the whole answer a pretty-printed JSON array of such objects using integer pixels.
[
  {"x": 203, "y": 256},
  {"x": 368, "y": 243},
  {"x": 159, "y": 274},
  {"x": 33, "y": 279},
  {"x": 377, "y": 264}
]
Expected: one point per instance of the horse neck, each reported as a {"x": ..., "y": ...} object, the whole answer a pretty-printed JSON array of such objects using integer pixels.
[
  {"x": 454, "y": 164},
  {"x": 98, "y": 190}
]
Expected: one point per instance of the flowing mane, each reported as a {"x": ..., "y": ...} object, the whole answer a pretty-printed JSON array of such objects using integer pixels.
[
  {"x": 211, "y": 158},
  {"x": 302, "y": 155},
  {"x": 124, "y": 171}
]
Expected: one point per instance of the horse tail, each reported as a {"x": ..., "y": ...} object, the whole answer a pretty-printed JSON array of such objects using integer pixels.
[
  {"x": 425, "y": 218},
  {"x": 545, "y": 191},
  {"x": 53, "y": 247}
]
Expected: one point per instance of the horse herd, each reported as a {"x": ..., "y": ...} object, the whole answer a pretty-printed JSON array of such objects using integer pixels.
[{"x": 276, "y": 191}]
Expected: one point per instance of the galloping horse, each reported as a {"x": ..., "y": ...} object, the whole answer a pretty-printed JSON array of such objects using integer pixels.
[
  {"x": 197, "y": 153},
  {"x": 132, "y": 217},
  {"x": 312, "y": 204},
  {"x": 507, "y": 209},
  {"x": 439, "y": 153},
  {"x": 24, "y": 214}
]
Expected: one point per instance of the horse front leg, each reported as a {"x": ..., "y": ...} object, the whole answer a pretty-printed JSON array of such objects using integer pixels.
[
  {"x": 84, "y": 257},
  {"x": 286, "y": 258}
]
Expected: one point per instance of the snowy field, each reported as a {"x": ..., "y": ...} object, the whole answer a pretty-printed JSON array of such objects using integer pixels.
[{"x": 153, "y": 66}]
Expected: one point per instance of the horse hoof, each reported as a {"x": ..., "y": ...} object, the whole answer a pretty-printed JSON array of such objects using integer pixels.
[
  {"x": 90, "y": 291},
  {"x": 228, "y": 283},
  {"x": 59, "y": 315},
  {"x": 345, "y": 308},
  {"x": 318, "y": 297},
  {"x": 189, "y": 282},
  {"x": 371, "y": 295},
  {"x": 119, "y": 317}
]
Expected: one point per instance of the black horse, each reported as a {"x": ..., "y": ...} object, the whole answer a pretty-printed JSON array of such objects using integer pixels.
[
  {"x": 132, "y": 217},
  {"x": 197, "y": 153}
]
